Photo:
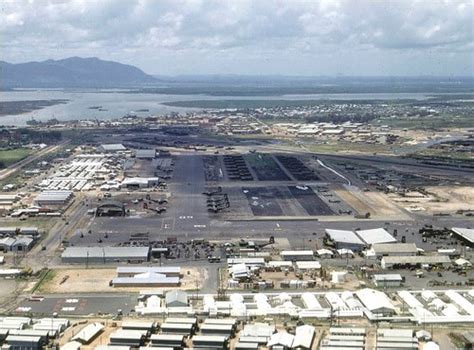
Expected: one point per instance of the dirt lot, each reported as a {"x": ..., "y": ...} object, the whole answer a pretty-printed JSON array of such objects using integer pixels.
[
  {"x": 377, "y": 204},
  {"x": 97, "y": 280},
  {"x": 450, "y": 199}
]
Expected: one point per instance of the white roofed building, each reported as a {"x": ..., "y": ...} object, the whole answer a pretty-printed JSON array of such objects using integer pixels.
[
  {"x": 377, "y": 235},
  {"x": 345, "y": 239},
  {"x": 394, "y": 249},
  {"x": 376, "y": 302},
  {"x": 111, "y": 148},
  {"x": 387, "y": 280},
  {"x": 466, "y": 234}
]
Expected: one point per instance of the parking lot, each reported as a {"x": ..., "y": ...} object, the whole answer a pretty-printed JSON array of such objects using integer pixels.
[{"x": 265, "y": 167}]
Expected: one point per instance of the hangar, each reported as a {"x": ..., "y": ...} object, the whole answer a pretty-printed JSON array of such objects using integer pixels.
[
  {"x": 345, "y": 239},
  {"x": 110, "y": 208},
  {"x": 377, "y": 235},
  {"x": 466, "y": 234}
]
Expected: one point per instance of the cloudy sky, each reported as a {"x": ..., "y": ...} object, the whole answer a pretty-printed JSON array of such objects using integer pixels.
[{"x": 287, "y": 37}]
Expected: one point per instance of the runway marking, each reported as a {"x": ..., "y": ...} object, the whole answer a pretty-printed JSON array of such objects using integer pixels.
[{"x": 168, "y": 225}]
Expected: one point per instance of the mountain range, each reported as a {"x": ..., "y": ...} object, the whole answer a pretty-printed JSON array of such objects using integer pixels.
[{"x": 73, "y": 72}]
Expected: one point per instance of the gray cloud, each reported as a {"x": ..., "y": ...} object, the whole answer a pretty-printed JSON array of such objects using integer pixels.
[{"x": 244, "y": 36}]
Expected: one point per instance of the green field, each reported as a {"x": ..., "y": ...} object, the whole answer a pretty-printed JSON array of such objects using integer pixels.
[
  {"x": 10, "y": 156},
  {"x": 433, "y": 122}
]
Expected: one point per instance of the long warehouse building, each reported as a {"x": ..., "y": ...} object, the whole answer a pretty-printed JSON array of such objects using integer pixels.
[
  {"x": 104, "y": 255},
  {"x": 54, "y": 198}
]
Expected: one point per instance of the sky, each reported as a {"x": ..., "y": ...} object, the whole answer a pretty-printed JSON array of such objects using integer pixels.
[{"x": 260, "y": 37}]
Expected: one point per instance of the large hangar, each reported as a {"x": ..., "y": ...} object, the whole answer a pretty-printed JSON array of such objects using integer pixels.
[
  {"x": 104, "y": 255},
  {"x": 466, "y": 234},
  {"x": 345, "y": 239},
  {"x": 110, "y": 208},
  {"x": 375, "y": 236}
]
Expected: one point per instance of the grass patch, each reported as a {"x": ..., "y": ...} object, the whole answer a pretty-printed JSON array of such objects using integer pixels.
[
  {"x": 45, "y": 280},
  {"x": 11, "y": 156}
]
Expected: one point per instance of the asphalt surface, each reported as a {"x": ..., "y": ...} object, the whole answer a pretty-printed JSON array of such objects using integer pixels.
[
  {"x": 187, "y": 217},
  {"x": 73, "y": 304}
]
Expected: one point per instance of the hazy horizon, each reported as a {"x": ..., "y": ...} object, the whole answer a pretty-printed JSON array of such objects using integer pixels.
[
  {"x": 329, "y": 38},
  {"x": 268, "y": 76}
]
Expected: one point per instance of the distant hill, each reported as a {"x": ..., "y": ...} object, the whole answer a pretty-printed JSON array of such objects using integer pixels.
[{"x": 72, "y": 72}]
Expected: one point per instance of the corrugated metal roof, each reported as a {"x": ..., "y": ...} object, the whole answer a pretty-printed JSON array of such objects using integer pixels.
[
  {"x": 181, "y": 326},
  {"x": 23, "y": 339},
  {"x": 128, "y": 334},
  {"x": 188, "y": 320},
  {"x": 210, "y": 338},
  {"x": 226, "y": 321},
  {"x": 420, "y": 259},
  {"x": 138, "y": 324},
  {"x": 107, "y": 252},
  {"x": 166, "y": 337}
]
